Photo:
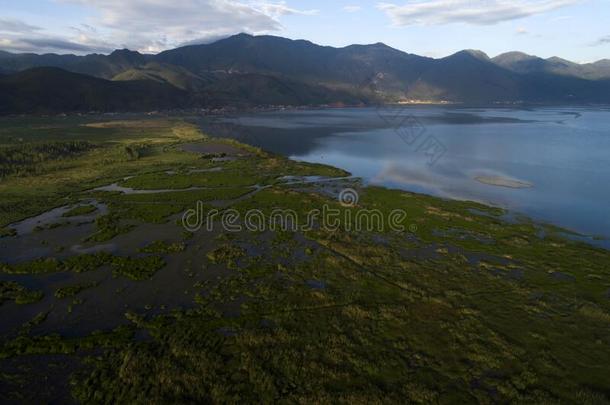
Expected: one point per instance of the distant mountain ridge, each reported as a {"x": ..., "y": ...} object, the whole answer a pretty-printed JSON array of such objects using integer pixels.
[
  {"x": 262, "y": 70},
  {"x": 46, "y": 90},
  {"x": 524, "y": 63}
]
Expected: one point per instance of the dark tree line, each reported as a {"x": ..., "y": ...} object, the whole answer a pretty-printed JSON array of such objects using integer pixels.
[{"x": 26, "y": 158}]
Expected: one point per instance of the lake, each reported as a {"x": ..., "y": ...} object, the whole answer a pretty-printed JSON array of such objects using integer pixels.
[{"x": 552, "y": 164}]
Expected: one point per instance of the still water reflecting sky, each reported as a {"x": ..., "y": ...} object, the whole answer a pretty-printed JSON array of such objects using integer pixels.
[{"x": 563, "y": 152}]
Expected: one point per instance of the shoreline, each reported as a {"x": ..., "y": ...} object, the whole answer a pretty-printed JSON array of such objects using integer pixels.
[
  {"x": 214, "y": 111},
  {"x": 509, "y": 215}
]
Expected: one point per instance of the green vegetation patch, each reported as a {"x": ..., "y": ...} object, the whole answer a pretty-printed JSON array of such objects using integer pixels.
[
  {"x": 17, "y": 204},
  {"x": 27, "y": 158},
  {"x": 77, "y": 264},
  {"x": 53, "y": 225},
  {"x": 109, "y": 226},
  {"x": 226, "y": 254},
  {"x": 383, "y": 329},
  {"x": 80, "y": 210},
  {"x": 55, "y": 344},
  {"x": 72, "y": 290},
  {"x": 182, "y": 198},
  {"x": 11, "y": 291},
  {"x": 87, "y": 262},
  {"x": 6, "y": 232},
  {"x": 224, "y": 178},
  {"x": 39, "y": 266},
  {"x": 161, "y": 247},
  {"x": 139, "y": 269},
  {"x": 102, "y": 157},
  {"x": 155, "y": 213}
]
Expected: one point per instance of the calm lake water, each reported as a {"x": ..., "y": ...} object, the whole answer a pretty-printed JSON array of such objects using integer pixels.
[{"x": 564, "y": 153}]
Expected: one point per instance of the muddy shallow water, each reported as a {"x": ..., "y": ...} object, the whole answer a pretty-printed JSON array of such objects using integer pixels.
[
  {"x": 103, "y": 304},
  {"x": 56, "y": 215}
]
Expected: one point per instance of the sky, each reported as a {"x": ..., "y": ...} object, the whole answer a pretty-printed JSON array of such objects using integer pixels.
[{"x": 577, "y": 30}]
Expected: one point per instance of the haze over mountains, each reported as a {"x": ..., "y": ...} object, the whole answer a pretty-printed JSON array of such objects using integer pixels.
[{"x": 245, "y": 70}]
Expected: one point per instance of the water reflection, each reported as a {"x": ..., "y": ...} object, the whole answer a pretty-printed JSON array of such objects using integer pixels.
[{"x": 562, "y": 152}]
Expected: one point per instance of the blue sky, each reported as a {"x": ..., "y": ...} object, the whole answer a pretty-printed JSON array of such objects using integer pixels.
[{"x": 573, "y": 29}]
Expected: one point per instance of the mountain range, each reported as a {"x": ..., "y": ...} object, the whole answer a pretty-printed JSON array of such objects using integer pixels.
[{"x": 245, "y": 70}]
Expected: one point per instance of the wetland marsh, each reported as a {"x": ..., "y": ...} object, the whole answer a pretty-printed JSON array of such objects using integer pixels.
[{"x": 104, "y": 293}]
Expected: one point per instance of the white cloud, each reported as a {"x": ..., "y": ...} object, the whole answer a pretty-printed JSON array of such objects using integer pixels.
[
  {"x": 155, "y": 25},
  {"x": 148, "y": 25},
  {"x": 12, "y": 26},
  {"x": 50, "y": 44},
  {"x": 18, "y": 36},
  {"x": 522, "y": 31},
  {"x": 277, "y": 10},
  {"x": 602, "y": 41},
  {"x": 477, "y": 12},
  {"x": 352, "y": 9}
]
